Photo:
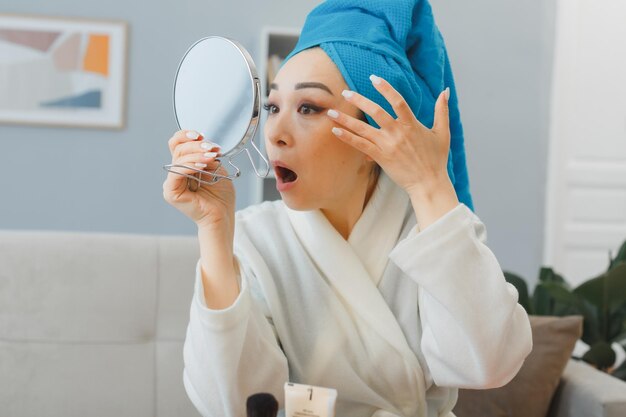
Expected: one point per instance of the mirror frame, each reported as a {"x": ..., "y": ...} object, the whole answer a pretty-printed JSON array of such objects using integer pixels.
[{"x": 255, "y": 85}]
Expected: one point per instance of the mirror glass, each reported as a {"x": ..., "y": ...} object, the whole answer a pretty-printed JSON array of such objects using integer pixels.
[{"x": 216, "y": 93}]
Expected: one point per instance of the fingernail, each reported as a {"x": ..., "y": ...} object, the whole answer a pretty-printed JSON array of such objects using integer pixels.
[
  {"x": 347, "y": 93},
  {"x": 337, "y": 131},
  {"x": 209, "y": 145},
  {"x": 210, "y": 154},
  {"x": 446, "y": 92},
  {"x": 332, "y": 113},
  {"x": 192, "y": 135},
  {"x": 375, "y": 80},
  {"x": 200, "y": 165}
]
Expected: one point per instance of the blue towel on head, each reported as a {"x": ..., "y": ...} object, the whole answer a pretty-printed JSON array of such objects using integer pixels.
[{"x": 399, "y": 41}]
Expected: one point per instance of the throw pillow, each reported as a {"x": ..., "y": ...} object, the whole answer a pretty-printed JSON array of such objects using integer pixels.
[{"x": 529, "y": 393}]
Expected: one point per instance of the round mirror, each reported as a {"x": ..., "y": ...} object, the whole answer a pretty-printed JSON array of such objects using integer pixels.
[{"x": 217, "y": 93}]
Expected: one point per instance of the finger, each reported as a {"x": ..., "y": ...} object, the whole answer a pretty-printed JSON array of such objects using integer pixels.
[
  {"x": 194, "y": 146},
  {"x": 190, "y": 164},
  {"x": 441, "y": 123},
  {"x": 182, "y": 136},
  {"x": 361, "y": 144},
  {"x": 201, "y": 159},
  {"x": 364, "y": 130},
  {"x": 376, "y": 112},
  {"x": 185, "y": 165},
  {"x": 398, "y": 103}
]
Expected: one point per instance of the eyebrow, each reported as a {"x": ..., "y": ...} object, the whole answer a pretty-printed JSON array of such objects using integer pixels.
[{"x": 299, "y": 86}]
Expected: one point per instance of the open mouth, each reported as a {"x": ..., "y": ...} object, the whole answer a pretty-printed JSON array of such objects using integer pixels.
[{"x": 285, "y": 175}]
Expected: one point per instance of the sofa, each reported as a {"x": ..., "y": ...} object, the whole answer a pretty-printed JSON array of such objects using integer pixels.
[{"x": 93, "y": 324}]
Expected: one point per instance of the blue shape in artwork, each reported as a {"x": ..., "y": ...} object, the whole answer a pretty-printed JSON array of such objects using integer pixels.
[{"x": 89, "y": 99}]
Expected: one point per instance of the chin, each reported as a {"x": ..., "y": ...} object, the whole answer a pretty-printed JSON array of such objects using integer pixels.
[{"x": 295, "y": 204}]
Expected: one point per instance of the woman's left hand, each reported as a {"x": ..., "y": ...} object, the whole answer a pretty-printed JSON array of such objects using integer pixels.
[{"x": 414, "y": 156}]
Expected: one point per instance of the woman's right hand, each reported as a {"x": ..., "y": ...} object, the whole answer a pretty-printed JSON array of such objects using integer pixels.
[{"x": 209, "y": 205}]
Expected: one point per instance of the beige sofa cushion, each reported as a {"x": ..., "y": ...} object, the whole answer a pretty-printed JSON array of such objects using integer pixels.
[
  {"x": 586, "y": 392},
  {"x": 93, "y": 324},
  {"x": 530, "y": 392}
]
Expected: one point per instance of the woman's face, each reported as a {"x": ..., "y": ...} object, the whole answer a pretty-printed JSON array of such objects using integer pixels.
[{"x": 328, "y": 172}]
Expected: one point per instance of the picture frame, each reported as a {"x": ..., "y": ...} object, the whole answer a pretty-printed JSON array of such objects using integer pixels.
[{"x": 63, "y": 71}]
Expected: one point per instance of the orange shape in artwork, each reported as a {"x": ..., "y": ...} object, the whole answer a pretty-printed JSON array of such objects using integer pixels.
[{"x": 97, "y": 55}]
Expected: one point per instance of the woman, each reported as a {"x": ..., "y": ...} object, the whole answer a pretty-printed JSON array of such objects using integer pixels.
[{"x": 370, "y": 276}]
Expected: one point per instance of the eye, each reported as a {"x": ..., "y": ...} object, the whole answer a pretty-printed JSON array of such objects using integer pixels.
[
  {"x": 269, "y": 107},
  {"x": 305, "y": 109},
  {"x": 311, "y": 109}
]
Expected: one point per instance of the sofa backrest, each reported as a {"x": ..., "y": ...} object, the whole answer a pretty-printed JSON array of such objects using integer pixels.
[{"x": 93, "y": 324}]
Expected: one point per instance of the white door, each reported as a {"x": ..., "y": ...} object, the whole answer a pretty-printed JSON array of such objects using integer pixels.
[{"x": 586, "y": 191}]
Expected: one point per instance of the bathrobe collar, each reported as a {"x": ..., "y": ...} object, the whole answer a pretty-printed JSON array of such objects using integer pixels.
[
  {"x": 373, "y": 236},
  {"x": 377, "y": 230}
]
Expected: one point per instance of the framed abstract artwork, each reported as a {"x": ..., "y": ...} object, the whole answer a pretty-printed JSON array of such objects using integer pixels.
[{"x": 62, "y": 71}]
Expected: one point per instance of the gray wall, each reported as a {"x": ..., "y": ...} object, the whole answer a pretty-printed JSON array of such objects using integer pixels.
[
  {"x": 107, "y": 180},
  {"x": 501, "y": 53}
]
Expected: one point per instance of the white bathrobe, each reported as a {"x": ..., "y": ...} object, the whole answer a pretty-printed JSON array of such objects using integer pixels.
[{"x": 395, "y": 319}]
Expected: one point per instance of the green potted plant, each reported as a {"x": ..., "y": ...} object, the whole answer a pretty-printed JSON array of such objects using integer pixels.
[{"x": 601, "y": 300}]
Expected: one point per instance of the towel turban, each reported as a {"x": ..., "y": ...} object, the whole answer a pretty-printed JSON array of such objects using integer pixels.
[{"x": 399, "y": 41}]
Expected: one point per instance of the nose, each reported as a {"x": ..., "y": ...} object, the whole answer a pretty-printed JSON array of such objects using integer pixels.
[{"x": 278, "y": 130}]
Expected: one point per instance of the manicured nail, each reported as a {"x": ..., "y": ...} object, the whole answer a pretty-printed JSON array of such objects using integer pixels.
[
  {"x": 332, "y": 113},
  {"x": 337, "y": 131},
  {"x": 209, "y": 145},
  {"x": 446, "y": 92},
  {"x": 192, "y": 135},
  {"x": 200, "y": 165},
  {"x": 375, "y": 80},
  {"x": 347, "y": 93},
  {"x": 210, "y": 154}
]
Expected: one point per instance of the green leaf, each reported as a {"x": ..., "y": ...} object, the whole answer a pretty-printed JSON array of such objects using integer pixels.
[
  {"x": 616, "y": 326},
  {"x": 601, "y": 355},
  {"x": 553, "y": 298},
  {"x": 621, "y": 338},
  {"x": 547, "y": 274},
  {"x": 560, "y": 293},
  {"x": 591, "y": 324},
  {"x": 543, "y": 304},
  {"x": 606, "y": 291},
  {"x": 620, "y": 257},
  {"x": 522, "y": 289}
]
